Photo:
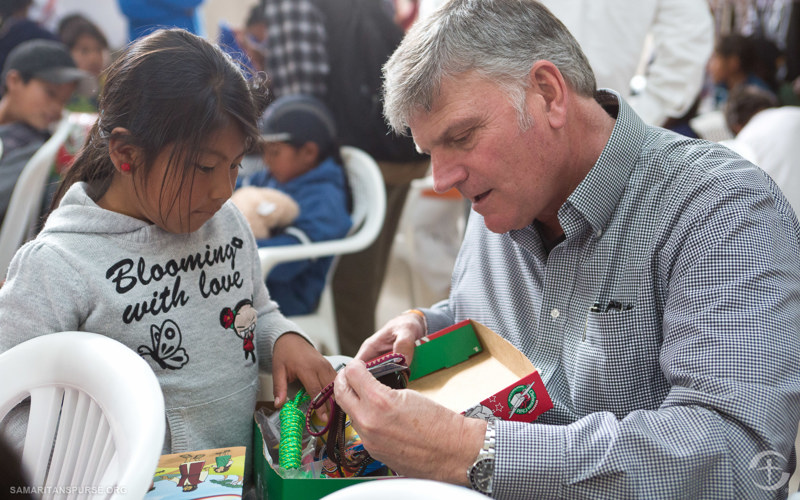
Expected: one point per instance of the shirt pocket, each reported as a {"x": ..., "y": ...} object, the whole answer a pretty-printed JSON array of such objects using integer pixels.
[{"x": 616, "y": 365}]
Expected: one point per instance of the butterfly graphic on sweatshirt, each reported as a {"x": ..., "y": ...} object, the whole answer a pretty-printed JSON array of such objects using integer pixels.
[{"x": 166, "y": 347}]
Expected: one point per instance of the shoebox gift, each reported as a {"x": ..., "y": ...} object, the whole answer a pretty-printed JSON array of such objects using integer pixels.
[{"x": 466, "y": 367}]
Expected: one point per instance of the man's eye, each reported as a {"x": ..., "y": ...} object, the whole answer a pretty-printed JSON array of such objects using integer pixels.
[
  {"x": 205, "y": 169},
  {"x": 236, "y": 165},
  {"x": 462, "y": 139}
]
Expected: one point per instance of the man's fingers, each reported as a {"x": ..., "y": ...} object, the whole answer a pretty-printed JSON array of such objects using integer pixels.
[{"x": 350, "y": 383}]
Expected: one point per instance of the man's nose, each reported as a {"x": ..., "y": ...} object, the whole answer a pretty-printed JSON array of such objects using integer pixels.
[{"x": 447, "y": 173}]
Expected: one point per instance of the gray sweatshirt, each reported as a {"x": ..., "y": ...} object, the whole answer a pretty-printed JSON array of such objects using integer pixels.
[{"x": 193, "y": 305}]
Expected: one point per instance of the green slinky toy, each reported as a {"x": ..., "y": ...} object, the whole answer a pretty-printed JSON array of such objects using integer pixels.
[{"x": 293, "y": 421}]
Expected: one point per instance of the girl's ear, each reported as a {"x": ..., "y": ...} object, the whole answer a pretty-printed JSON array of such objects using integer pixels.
[{"x": 121, "y": 151}]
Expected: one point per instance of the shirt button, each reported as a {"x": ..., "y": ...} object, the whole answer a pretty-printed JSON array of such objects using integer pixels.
[
  {"x": 554, "y": 313},
  {"x": 599, "y": 233}
]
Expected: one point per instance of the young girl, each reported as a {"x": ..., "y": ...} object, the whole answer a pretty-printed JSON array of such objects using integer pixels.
[{"x": 145, "y": 248}]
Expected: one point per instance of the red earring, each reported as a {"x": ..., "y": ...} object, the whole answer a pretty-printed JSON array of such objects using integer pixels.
[{"x": 125, "y": 167}]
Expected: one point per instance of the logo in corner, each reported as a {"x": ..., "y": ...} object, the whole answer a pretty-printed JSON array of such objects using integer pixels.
[{"x": 769, "y": 470}]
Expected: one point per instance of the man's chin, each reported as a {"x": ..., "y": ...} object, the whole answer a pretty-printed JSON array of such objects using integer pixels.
[{"x": 498, "y": 226}]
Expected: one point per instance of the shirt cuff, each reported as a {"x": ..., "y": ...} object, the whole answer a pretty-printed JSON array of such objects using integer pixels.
[{"x": 529, "y": 460}]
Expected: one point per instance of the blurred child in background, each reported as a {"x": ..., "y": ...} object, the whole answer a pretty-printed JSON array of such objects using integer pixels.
[
  {"x": 89, "y": 48},
  {"x": 38, "y": 79},
  {"x": 301, "y": 154}
]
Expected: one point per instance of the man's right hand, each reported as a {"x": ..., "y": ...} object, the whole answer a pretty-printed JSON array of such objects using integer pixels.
[{"x": 399, "y": 334}]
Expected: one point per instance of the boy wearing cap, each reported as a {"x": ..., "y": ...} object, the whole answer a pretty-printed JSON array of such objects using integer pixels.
[
  {"x": 301, "y": 154},
  {"x": 38, "y": 78}
]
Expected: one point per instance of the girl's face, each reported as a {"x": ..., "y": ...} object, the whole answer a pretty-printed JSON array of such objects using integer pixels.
[
  {"x": 183, "y": 206},
  {"x": 89, "y": 54}
]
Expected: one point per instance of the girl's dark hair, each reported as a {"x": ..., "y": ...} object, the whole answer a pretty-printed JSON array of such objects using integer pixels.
[
  {"x": 168, "y": 89},
  {"x": 72, "y": 27}
]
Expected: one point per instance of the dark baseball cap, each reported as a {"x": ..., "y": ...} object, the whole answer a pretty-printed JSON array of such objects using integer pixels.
[
  {"x": 42, "y": 59},
  {"x": 298, "y": 119}
]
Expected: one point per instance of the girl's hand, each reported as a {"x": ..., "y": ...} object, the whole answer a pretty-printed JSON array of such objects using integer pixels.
[{"x": 293, "y": 358}]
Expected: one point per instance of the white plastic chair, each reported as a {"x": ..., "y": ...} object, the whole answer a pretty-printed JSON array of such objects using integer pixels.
[
  {"x": 96, "y": 423},
  {"x": 403, "y": 489},
  {"x": 369, "y": 209},
  {"x": 26, "y": 199}
]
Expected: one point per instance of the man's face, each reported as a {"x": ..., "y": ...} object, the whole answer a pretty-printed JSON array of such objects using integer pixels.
[
  {"x": 477, "y": 146},
  {"x": 37, "y": 103}
]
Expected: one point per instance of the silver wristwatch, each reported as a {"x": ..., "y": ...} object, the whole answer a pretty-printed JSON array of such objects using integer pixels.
[{"x": 481, "y": 472}]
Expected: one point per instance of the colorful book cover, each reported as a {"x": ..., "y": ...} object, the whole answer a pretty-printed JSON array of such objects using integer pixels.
[{"x": 196, "y": 475}]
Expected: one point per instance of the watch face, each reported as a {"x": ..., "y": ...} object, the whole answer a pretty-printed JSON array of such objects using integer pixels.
[{"x": 480, "y": 475}]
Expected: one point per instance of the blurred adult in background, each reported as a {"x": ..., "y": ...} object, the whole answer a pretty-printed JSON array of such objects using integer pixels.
[
  {"x": 298, "y": 50},
  {"x": 16, "y": 27},
  {"x": 247, "y": 45},
  {"x": 146, "y": 15},
  {"x": 334, "y": 49},
  {"x": 674, "y": 38}
]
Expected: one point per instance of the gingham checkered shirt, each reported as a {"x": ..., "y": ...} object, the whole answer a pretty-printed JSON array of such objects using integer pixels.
[
  {"x": 688, "y": 386},
  {"x": 297, "y": 62}
]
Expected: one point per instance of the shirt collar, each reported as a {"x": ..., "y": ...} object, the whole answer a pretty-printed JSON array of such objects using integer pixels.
[{"x": 597, "y": 196}]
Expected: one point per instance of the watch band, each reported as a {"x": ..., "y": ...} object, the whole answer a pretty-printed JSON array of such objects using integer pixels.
[{"x": 481, "y": 471}]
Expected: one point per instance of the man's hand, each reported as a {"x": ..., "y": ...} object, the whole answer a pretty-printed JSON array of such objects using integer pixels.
[
  {"x": 399, "y": 334},
  {"x": 294, "y": 358},
  {"x": 408, "y": 432}
]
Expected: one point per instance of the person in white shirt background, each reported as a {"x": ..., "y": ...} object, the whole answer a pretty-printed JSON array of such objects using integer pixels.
[{"x": 673, "y": 38}]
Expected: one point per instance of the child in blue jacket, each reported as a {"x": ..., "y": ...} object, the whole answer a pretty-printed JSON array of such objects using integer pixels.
[{"x": 301, "y": 153}]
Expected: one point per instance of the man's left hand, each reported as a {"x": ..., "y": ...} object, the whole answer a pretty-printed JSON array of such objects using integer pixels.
[{"x": 413, "y": 435}]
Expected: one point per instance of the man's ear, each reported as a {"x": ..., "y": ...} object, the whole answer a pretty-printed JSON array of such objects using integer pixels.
[
  {"x": 547, "y": 81},
  {"x": 121, "y": 151}
]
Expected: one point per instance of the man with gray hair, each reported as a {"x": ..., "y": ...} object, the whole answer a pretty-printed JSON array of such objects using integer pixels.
[{"x": 653, "y": 280}]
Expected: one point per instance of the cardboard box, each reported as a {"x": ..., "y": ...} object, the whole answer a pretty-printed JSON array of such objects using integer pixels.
[
  {"x": 497, "y": 379},
  {"x": 467, "y": 368}
]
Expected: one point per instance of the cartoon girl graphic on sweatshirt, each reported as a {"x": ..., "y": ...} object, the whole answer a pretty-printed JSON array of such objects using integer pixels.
[{"x": 242, "y": 320}]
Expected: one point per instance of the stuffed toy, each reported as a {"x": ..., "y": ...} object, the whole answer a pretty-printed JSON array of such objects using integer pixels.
[{"x": 266, "y": 209}]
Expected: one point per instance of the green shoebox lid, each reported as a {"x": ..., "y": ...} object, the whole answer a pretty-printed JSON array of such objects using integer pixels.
[{"x": 443, "y": 349}]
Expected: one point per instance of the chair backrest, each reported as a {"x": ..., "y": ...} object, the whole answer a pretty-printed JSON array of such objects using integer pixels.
[
  {"x": 369, "y": 210},
  {"x": 96, "y": 417},
  {"x": 26, "y": 199}
]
